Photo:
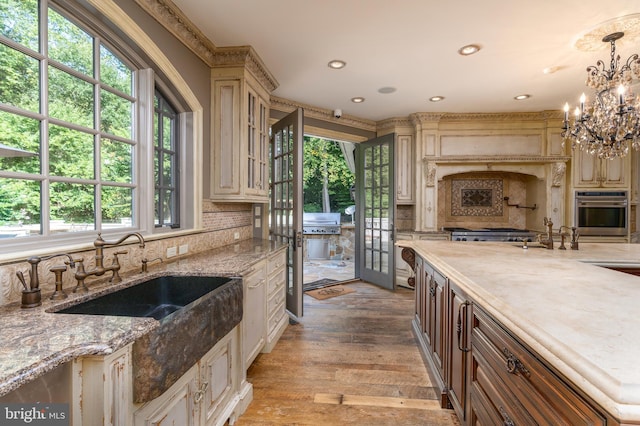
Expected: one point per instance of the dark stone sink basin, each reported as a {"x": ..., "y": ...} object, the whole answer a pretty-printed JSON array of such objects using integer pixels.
[
  {"x": 194, "y": 313},
  {"x": 155, "y": 298}
]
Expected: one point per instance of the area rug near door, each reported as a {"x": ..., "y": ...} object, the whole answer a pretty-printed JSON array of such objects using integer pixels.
[
  {"x": 324, "y": 282},
  {"x": 328, "y": 292}
]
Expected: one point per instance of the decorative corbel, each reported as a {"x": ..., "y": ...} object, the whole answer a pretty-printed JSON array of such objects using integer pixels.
[
  {"x": 557, "y": 174},
  {"x": 429, "y": 168}
]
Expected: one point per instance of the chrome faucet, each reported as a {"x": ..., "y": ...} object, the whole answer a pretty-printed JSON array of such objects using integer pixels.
[
  {"x": 548, "y": 241},
  {"x": 99, "y": 268}
]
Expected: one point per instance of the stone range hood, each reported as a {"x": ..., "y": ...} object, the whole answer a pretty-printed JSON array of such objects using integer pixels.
[{"x": 523, "y": 159}]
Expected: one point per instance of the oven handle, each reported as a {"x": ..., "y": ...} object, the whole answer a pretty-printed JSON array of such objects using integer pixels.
[{"x": 598, "y": 203}]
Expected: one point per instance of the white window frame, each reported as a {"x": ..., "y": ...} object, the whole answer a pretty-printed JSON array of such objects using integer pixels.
[{"x": 190, "y": 143}]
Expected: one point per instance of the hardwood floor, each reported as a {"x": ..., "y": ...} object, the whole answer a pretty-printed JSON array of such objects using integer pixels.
[{"x": 352, "y": 360}]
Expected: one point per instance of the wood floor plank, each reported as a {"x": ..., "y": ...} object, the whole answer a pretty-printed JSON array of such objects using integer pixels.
[
  {"x": 357, "y": 349},
  {"x": 375, "y": 401}
]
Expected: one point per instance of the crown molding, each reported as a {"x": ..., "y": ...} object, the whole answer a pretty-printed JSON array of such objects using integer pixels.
[
  {"x": 393, "y": 123},
  {"x": 176, "y": 22},
  {"x": 425, "y": 117},
  {"x": 311, "y": 111}
]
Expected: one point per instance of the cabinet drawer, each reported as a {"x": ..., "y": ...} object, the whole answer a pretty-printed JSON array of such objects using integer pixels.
[
  {"x": 276, "y": 262},
  {"x": 539, "y": 391},
  {"x": 277, "y": 282},
  {"x": 255, "y": 278},
  {"x": 274, "y": 302},
  {"x": 275, "y": 317}
]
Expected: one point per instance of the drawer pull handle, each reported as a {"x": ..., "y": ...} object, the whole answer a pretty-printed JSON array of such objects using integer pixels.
[
  {"x": 200, "y": 392},
  {"x": 514, "y": 365},
  {"x": 432, "y": 289},
  {"x": 459, "y": 325},
  {"x": 507, "y": 419}
]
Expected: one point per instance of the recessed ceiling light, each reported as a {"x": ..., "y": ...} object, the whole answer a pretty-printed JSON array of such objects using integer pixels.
[
  {"x": 336, "y": 64},
  {"x": 357, "y": 100},
  {"x": 469, "y": 49},
  {"x": 387, "y": 90},
  {"x": 521, "y": 97},
  {"x": 436, "y": 98},
  {"x": 550, "y": 70}
]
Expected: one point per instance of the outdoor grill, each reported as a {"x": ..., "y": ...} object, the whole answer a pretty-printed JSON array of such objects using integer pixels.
[{"x": 321, "y": 223}]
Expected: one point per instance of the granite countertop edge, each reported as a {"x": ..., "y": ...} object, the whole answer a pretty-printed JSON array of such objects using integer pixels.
[{"x": 25, "y": 354}]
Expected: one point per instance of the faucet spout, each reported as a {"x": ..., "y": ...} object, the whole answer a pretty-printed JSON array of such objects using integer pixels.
[{"x": 99, "y": 268}]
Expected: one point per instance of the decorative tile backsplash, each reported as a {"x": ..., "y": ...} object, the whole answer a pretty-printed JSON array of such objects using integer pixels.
[{"x": 477, "y": 197}]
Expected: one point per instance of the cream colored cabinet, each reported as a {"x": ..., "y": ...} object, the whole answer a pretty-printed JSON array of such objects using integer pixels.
[
  {"x": 265, "y": 318},
  {"x": 593, "y": 172},
  {"x": 205, "y": 395},
  {"x": 102, "y": 384},
  {"x": 240, "y": 137},
  {"x": 277, "y": 318},
  {"x": 254, "y": 312},
  {"x": 405, "y": 158}
]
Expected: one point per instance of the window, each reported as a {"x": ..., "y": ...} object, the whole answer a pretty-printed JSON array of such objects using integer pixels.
[
  {"x": 69, "y": 140},
  {"x": 165, "y": 164}
]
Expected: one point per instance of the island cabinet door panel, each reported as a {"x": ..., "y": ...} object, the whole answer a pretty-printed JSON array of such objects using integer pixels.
[
  {"x": 459, "y": 321},
  {"x": 438, "y": 320},
  {"x": 537, "y": 390},
  {"x": 420, "y": 294}
]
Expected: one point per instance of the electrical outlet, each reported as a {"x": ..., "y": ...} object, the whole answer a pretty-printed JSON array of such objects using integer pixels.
[
  {"x": 171, "y": 251},
  {"x": 236, "y": 235},
  {"x": 183, "y": 249}
]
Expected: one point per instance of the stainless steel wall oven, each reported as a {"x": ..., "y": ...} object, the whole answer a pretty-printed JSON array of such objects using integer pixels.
[{"x": 602, "y": 213}]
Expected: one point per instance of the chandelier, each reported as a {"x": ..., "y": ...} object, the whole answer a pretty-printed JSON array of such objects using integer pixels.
[{"x": 609, "y": 124}]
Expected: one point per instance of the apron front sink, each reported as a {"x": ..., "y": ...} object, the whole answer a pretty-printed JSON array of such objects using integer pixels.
[{"x": 155, "y": 298}]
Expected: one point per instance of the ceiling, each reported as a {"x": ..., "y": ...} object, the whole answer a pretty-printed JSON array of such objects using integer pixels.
[{"x": 412, "y": 46}]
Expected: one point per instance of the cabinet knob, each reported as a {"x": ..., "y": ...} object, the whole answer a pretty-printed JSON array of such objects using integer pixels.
[{"x": 514, "y": 365}]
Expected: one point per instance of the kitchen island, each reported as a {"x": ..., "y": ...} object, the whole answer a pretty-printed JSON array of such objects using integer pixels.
[{"x": 575, "y": 316}]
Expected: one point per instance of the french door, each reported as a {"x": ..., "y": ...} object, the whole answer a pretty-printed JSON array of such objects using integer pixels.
[
  {"x": 375, "y": 206},
  {"x": 287, "y": 200}
]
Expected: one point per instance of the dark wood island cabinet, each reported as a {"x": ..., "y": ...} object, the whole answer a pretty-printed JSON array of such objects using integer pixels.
[{"x": 483, "y": 370}]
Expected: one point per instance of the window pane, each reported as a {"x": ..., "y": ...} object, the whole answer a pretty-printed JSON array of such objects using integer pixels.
[
  {"x": 70, "y": 98},
  {"x": 20, "y": 133},
  {"x": 167, "y": 207},
  {"x": 19, "y": 84},
  {"x": 117, "y": 207},
  {"x": 72, "y": 207},
  {"x": 167, "y": 170},
  {"x": 114, "y": 72},
  {"x": 117, "y": 161},
  {"x": 156, "y": 167},
  {"x": 115, "y": 115},
  {"x": 70, "y": 45},
  {"x": 19, "y": 22},
  {"x": 167, "y": 133},
  {"x": 19, "y": 208},
  {"x": 70, "y": 153}
]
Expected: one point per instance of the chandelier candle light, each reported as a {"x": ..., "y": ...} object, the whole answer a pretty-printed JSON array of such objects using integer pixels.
[{"x": 608, "y": 125}]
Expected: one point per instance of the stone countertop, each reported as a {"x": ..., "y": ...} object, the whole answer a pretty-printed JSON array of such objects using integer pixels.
[
  {"x": 35, "y": 341},
  {"x": 581, "y": 318}
]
